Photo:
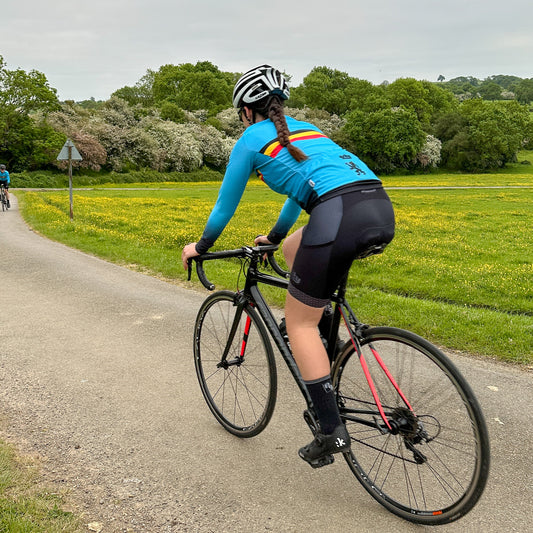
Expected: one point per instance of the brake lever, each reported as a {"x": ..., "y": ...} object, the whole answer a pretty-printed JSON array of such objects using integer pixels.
[
  {"x": 189, "y": 269},
  {"x": 263, "y": 260}
]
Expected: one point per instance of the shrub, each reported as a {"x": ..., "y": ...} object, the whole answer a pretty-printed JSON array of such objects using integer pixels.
[
  {"x": 173, "y": 112},
  {"x": 118, "y": 112},
  {"x": 482, "y": 135},
  {"x": 50, "y": 179},
  {"x": 230, "y": 123},
  {"x": 429, "y": 156},
  {"x": 177, "y": 150},
  {"x": 93, "y": 153},
  {"x": 329, "y": 123},
  {"x": 214, "y": 145},
  {"x": 386, "y": 140}
]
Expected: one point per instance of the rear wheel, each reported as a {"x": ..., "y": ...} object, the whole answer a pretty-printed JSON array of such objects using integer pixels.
[
  {"x": 241, "y": 389},
  {"x": 431, "y": 465}
]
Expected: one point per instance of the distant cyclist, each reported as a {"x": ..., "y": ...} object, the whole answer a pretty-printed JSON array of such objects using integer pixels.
[
  {"x": 349, "y": 213},
  {"x": 4, "y": 180}
]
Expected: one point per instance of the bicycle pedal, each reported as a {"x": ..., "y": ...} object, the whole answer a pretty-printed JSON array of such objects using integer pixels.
[{"x": 322, "y": 461}]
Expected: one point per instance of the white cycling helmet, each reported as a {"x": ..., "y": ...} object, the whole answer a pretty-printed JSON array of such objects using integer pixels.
[{"x": 258, "y": 83}]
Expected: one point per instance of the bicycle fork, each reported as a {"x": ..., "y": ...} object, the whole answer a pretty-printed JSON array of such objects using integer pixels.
[{"x": 239, "y": 359}]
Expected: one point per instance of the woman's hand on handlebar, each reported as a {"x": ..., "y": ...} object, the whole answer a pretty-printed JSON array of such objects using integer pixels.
[
  {"x": 261, "y": 239},
  {"x": 188, "y": 252}
]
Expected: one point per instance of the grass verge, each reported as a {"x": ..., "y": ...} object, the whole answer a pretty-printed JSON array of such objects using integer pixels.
[{"x": 25, "y": 506}]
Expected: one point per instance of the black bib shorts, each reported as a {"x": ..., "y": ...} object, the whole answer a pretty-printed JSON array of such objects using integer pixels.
[{"x": 342, "y": 226}]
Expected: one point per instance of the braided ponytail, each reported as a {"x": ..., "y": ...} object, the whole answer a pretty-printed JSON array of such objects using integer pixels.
[{"x": 274, "y": 111}]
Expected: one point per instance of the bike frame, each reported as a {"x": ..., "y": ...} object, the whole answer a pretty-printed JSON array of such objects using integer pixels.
[
  {"x": 251, "y": 295},
  {"x": 391, "y": 451}
]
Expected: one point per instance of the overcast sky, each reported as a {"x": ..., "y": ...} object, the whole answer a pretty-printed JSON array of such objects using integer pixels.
[{"x": 90, "y": 48}]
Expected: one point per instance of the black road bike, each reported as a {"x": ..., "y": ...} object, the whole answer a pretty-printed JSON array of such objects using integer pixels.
[
  {"x": 3, "y": 198},
  {"x": 419, "y": 442}
]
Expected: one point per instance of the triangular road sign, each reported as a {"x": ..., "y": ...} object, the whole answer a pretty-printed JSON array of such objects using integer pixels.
[{"x": 64, "y": 154}]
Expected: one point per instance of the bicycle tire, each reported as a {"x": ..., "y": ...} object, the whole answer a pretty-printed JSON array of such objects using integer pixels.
[
  {"x": 243, "y": 395},
  {"x": 430, "y": 482},
  {"x": 4, "y": 202}
]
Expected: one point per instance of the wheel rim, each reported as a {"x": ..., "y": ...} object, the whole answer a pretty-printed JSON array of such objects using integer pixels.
[
  {"x": 241, "y": 391},
  {"x": 431, "y": 464}
]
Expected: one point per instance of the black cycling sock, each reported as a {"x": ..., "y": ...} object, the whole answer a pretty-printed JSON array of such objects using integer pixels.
[{"x": 325, "y": 403}]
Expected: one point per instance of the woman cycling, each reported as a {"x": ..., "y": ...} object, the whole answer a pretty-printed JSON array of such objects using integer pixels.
[
  {"x": 4, "y": 181},
  {"x": 349, "y": 214}
]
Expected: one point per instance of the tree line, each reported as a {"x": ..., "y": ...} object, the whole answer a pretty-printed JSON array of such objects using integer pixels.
[{"x": 179, "y": 118}]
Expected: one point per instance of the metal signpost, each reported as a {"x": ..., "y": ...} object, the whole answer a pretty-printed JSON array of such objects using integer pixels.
[{"x": 69, "y": 153}]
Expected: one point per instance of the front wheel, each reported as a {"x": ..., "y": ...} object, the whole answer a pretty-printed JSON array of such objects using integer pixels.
[
  {"x": 240, "y": 388},
  {"x": 431, "y": 465}
]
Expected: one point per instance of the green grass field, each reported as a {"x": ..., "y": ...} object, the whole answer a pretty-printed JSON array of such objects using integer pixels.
[{"x": 459, "y": 271}]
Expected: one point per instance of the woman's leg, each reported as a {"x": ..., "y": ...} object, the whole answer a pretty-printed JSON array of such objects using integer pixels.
[
  {"x": 306, "y": 345},
  {"x": 302, "y": 321},
  {"x": 313, "y": 363},
  {"x": 290, "y": 247},
  {"x": 312, "y": 360}
]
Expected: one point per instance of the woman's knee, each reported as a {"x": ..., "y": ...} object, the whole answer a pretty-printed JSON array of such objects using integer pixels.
[
  {"x": 300, "y": 316},
  {"x": 290, "y": 247}
]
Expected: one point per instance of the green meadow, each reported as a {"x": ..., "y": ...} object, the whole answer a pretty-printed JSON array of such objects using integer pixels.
[{"x": 458, "y": 272}]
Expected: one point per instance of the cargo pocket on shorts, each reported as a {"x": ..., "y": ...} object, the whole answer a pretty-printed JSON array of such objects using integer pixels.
[{"x": 324, "y": 223}]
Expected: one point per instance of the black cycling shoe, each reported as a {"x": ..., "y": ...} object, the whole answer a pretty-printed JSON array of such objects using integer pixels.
[{"x": 319, "y": 452}]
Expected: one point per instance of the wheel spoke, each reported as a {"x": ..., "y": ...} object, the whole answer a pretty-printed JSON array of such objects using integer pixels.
[
  {"x": 240, "y": 391},
  {"x": 434, "y": 467}
]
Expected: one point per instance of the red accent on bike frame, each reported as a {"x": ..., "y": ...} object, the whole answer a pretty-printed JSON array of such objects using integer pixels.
[
  {"x": 372, "y": 387},
  {"x": 245, "y": 336},
  {"x": 367, "y": 375},
  {"x": 392, "y": 380}
]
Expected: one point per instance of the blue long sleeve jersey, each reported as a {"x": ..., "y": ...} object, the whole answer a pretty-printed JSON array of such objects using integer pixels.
[
  {"x": 328, "y": 166},
  {"x": 4, "y": 176}
]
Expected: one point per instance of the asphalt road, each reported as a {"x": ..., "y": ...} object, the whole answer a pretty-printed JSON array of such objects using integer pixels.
[{"x": 97, "y": 380}]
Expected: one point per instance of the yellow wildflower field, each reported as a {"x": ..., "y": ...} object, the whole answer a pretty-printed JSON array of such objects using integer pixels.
[{"x": 460, "y": 254}]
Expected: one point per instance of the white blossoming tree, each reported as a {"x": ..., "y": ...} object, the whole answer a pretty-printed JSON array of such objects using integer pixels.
[{"x": 429, "y": 156}]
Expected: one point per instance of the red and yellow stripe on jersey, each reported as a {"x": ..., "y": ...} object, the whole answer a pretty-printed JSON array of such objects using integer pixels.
[{"x": 272, "y": 149}]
